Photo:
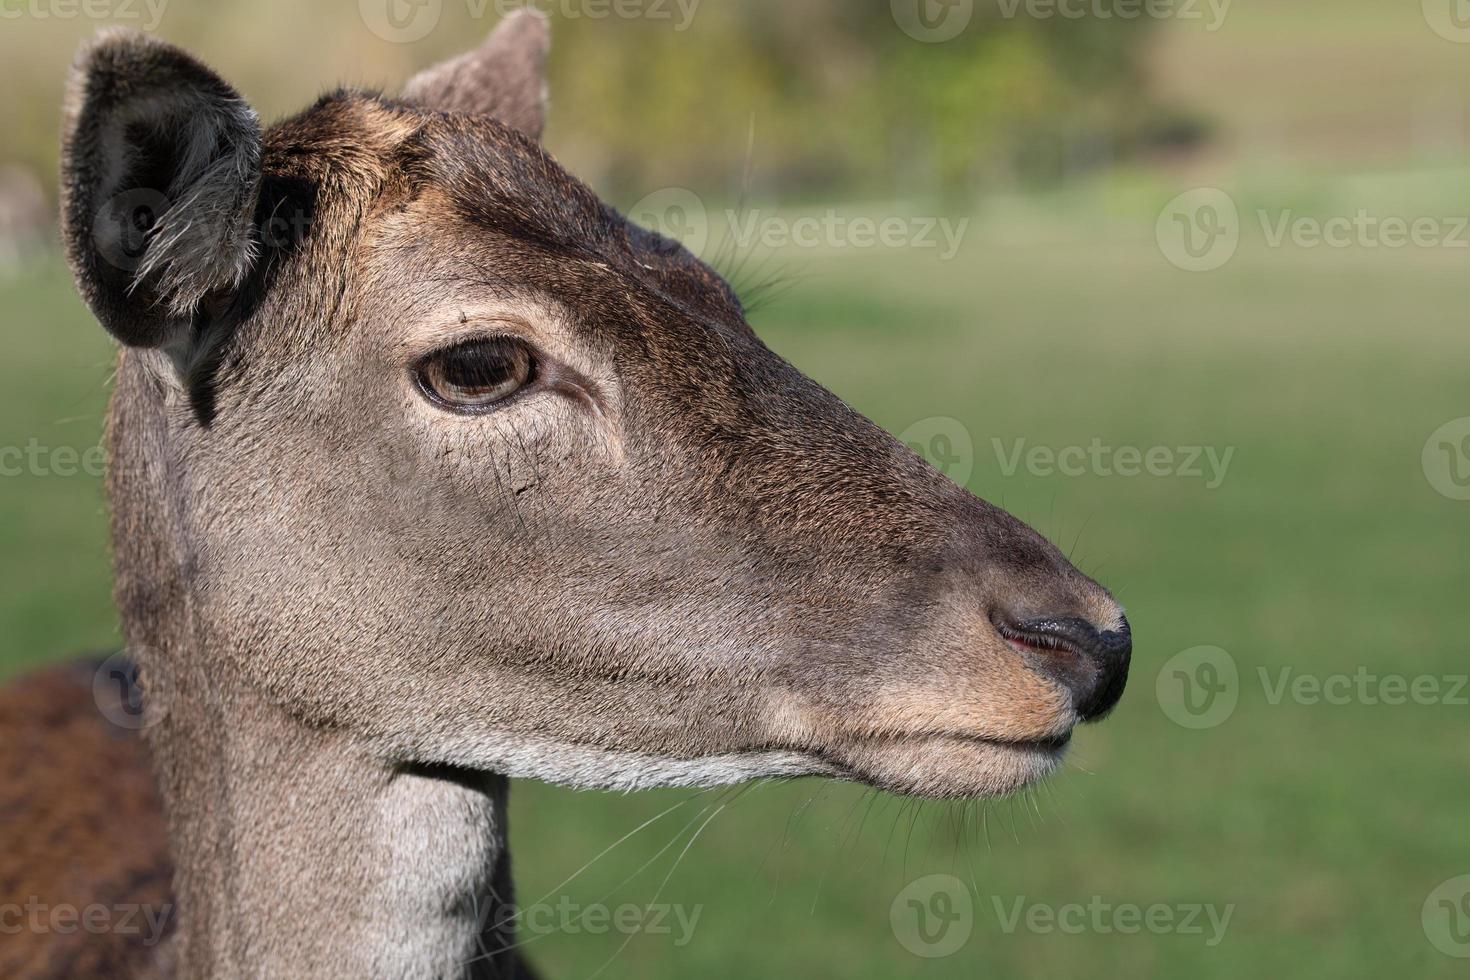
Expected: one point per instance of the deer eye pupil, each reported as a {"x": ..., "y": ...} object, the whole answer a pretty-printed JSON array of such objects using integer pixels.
[{"x": 476, "y": 374}]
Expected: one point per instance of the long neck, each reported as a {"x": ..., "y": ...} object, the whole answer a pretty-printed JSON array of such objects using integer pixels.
[
  {"x": 297, "y": 853},
  {"x": 300, "y": 856}
]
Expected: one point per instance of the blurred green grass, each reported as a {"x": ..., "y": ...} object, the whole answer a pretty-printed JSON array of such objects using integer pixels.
[{"x": 1325, "y": 549}]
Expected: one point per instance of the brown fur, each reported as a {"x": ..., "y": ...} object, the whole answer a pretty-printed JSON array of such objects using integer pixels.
[
  {"x": 69, "y": 842},
  {"x": 672, "y": 559}
]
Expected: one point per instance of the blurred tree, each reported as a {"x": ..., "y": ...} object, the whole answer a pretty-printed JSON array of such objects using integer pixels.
[
  {"x": 815, "y": 93},
  {"x": 837, "y": 93}
]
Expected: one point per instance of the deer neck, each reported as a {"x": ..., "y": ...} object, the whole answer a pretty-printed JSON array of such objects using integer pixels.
[
  {"x": 297, "y": 852},
  {"x": 298, "y": 855}
]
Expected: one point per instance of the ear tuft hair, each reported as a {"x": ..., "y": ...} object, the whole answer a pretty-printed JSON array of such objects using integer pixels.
[
  {"x": 504, "y": 78},
  {"x": 160, "y": 177}
]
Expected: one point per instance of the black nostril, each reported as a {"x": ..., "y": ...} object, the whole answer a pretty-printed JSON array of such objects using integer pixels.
[{"x": 1092, "y": 663}]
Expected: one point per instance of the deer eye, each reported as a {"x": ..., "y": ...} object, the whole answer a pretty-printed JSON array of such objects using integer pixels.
[{"x": 477, "y": 374}]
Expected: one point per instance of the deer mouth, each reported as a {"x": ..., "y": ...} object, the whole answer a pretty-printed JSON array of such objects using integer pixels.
[{"x": 949, "y": 765}]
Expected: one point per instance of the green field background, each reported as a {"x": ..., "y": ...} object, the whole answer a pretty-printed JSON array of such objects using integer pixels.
[{"x": 1326, "y": 550}]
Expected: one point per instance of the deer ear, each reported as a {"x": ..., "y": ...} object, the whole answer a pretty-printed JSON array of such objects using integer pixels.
[
  {"x": 505, "y": 77},
  {"x": 160, "y": 173}
]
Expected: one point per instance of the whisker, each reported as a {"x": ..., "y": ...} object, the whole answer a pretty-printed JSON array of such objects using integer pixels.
[
  {"x": 602, "y": 899},
  {"x": 607, "y": 850},
  {"x": 663, "y": 884}
]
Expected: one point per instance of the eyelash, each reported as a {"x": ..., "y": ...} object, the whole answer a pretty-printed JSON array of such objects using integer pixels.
[{"x": 521, "y": 360}]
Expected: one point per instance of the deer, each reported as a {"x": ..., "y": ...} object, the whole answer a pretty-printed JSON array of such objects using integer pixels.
[{"x": 428, "y": 470}]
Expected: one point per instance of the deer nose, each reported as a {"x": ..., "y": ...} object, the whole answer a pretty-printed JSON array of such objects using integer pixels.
[{"x": 1091, "y": 663}]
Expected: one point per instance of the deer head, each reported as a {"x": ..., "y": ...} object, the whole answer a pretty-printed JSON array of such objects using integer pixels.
[
  {"x": 421, "y": 441},
  {"x": 428, "y": 468}
]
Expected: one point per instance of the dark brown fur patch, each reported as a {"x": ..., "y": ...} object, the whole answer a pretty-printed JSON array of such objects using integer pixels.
[{"x": 84, "y": 827}]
